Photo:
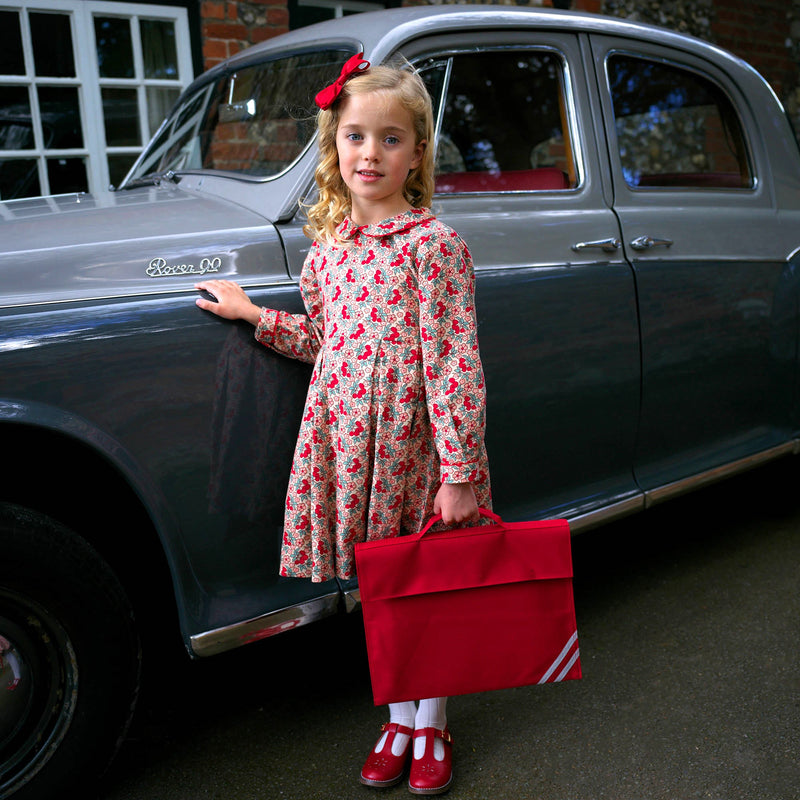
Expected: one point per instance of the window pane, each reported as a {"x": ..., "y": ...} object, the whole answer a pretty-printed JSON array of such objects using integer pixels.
[
  {"x": 433, "y": 72},
  {"x": 260, "y": 129},
  {"x": 12, "y": 61},
  {"x": 52, "y": 45},
  {"x": 16, "y": 126},
  {"x": 675, "y": 128},
  {"x": 15, "y": 135},
  {"x": 504, "y": 127},
  {"x": 158, "y": 47},
  {"x": 256, "y": 121},
  {"x": 159, "y": 104},
  {"x": 121, "y": 117},
  {"x": 67, "y": 175},
  {"x": 19, "y": 178},
  {"x": 61, "y": 116},
  {"x": 114, "y": 47},
  {"x": 118, "y": 167}
]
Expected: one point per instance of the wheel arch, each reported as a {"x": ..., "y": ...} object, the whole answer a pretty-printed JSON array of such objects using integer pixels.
[{"x": 63, "y": 467}]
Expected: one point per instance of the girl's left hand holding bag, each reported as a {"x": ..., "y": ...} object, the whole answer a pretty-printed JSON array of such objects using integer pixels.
[{"x": 231, "y": 301}]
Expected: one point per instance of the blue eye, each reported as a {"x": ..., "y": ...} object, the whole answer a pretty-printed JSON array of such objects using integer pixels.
[{"x": 392, "y": 140}]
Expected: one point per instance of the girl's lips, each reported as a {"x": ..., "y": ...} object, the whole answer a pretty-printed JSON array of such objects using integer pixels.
[{"x": 368, "y": 173}]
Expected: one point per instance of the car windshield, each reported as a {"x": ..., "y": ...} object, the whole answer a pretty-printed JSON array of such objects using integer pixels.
[{"x": 255, "y": 121}]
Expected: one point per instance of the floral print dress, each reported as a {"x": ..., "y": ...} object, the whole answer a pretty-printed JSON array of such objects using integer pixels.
[{"x": 396, "y": 403}]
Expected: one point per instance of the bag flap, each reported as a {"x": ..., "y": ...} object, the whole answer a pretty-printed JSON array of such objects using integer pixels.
[{"x": 487, "y": 555}]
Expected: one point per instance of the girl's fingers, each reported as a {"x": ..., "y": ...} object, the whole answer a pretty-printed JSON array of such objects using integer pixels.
[
  {"x": 231, "y": 303},
  {"x": 230, "y": 298}
]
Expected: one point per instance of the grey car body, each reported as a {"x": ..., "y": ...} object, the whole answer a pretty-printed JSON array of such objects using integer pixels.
[{"x": 637, "y": 304}]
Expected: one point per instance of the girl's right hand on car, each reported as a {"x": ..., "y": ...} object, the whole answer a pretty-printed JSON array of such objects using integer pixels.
[{"x": 231, "y": 301}]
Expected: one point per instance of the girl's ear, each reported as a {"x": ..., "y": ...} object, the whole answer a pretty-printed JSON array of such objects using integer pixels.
[{"x": 419, "y": 152}]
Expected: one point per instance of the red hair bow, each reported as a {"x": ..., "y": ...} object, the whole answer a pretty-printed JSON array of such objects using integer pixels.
[{"x": 328, "y": 96}]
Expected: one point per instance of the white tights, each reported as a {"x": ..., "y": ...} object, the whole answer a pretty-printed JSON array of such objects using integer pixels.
[{"x": 432, "y": 713}]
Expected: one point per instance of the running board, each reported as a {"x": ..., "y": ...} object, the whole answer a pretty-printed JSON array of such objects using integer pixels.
[{"x": 229, "y": 637}]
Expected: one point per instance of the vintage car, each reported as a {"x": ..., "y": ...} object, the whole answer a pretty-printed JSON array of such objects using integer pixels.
[{"x": 631, "y": 198}]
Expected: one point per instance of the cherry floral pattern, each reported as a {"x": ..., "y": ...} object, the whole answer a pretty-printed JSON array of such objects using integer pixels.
[{"x": 396, "y": 403}]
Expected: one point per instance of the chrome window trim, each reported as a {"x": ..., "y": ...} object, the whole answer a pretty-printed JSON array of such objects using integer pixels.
[
  {"x": 706, "y": 76},
  {"x": 448, "y": 69}
]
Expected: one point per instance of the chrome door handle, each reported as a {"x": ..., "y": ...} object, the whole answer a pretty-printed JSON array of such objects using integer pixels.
[
  {"x": 606, "y": 245},
  {"x": 646, "y": 242}
]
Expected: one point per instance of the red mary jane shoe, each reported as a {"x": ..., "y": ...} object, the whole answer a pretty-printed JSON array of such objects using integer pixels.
[
  {"x": 385, "y": 768},
  {"x": 429, "y": 776}
]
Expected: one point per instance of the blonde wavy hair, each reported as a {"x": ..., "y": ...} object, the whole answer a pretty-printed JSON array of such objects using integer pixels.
[{"x": 334, "y": 203}]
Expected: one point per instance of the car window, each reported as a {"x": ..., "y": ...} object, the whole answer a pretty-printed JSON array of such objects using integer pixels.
[
  {"x": 504, "y": 124},
  {"x": 255, "y": 121},
  {"x": 675, "y": 127}
]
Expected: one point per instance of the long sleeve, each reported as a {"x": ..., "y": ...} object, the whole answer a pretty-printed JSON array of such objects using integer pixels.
[
  {"x": 298, "y": 336},
  {"x": 454, "y": 382}
]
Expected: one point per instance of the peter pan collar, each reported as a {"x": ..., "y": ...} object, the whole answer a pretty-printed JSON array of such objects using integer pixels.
[{"x": 399, "y": 224}]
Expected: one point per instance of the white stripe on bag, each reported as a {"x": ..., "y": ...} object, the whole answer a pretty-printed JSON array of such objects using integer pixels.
[
  {"x": 561, "y": 656},
  {"x": 570, "y": 663}
]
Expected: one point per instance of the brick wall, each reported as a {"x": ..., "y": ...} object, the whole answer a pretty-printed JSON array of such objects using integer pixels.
[
  {"x": 767, "y": 35},
  {"x": 228, "y": 26},
  {"x": 760, "y": 31}
]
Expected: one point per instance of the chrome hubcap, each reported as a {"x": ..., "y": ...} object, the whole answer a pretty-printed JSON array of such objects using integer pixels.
[{"x": 38, "y": 687}]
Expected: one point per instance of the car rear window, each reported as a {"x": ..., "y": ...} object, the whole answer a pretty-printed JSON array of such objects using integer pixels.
[{"x": 675, "y": 128}]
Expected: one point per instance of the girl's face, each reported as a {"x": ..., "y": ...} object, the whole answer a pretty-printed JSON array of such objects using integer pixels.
[{"x": 377, "y": 149}]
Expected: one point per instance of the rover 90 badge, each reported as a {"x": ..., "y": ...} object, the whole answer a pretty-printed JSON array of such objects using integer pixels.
[{"x": 159, "y": 268}]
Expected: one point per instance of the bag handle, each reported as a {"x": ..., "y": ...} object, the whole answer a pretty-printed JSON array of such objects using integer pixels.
[{"x": 484, "y": 512}]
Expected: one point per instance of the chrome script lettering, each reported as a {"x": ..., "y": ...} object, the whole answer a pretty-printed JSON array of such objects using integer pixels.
[{"x": 158, "y": 267}]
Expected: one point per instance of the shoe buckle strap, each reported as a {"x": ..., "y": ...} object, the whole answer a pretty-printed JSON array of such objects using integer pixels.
[
  {"x": 445, "y": 735},
  {"x": 395, "y": 728}
]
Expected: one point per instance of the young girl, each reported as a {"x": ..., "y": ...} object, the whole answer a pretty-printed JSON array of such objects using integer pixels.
[{"x": 393, "y": 427}]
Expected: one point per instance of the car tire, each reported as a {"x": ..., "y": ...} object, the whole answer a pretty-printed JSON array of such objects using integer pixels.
[{"x": 70, "y": 662}]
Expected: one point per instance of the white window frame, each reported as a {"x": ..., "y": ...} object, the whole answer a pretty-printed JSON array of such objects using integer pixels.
[{"x": 87, "y": 80}]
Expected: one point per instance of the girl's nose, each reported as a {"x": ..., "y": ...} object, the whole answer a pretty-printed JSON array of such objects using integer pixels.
[{"x": 370, "y": 151}]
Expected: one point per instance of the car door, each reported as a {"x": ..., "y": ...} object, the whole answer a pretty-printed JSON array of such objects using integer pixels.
[
  {"x": 520, "y": 179},
  {"x": 693, "y": 195}
]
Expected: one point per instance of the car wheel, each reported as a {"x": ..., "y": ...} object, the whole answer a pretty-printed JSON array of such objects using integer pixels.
[{"x": 69, "y": 658}]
